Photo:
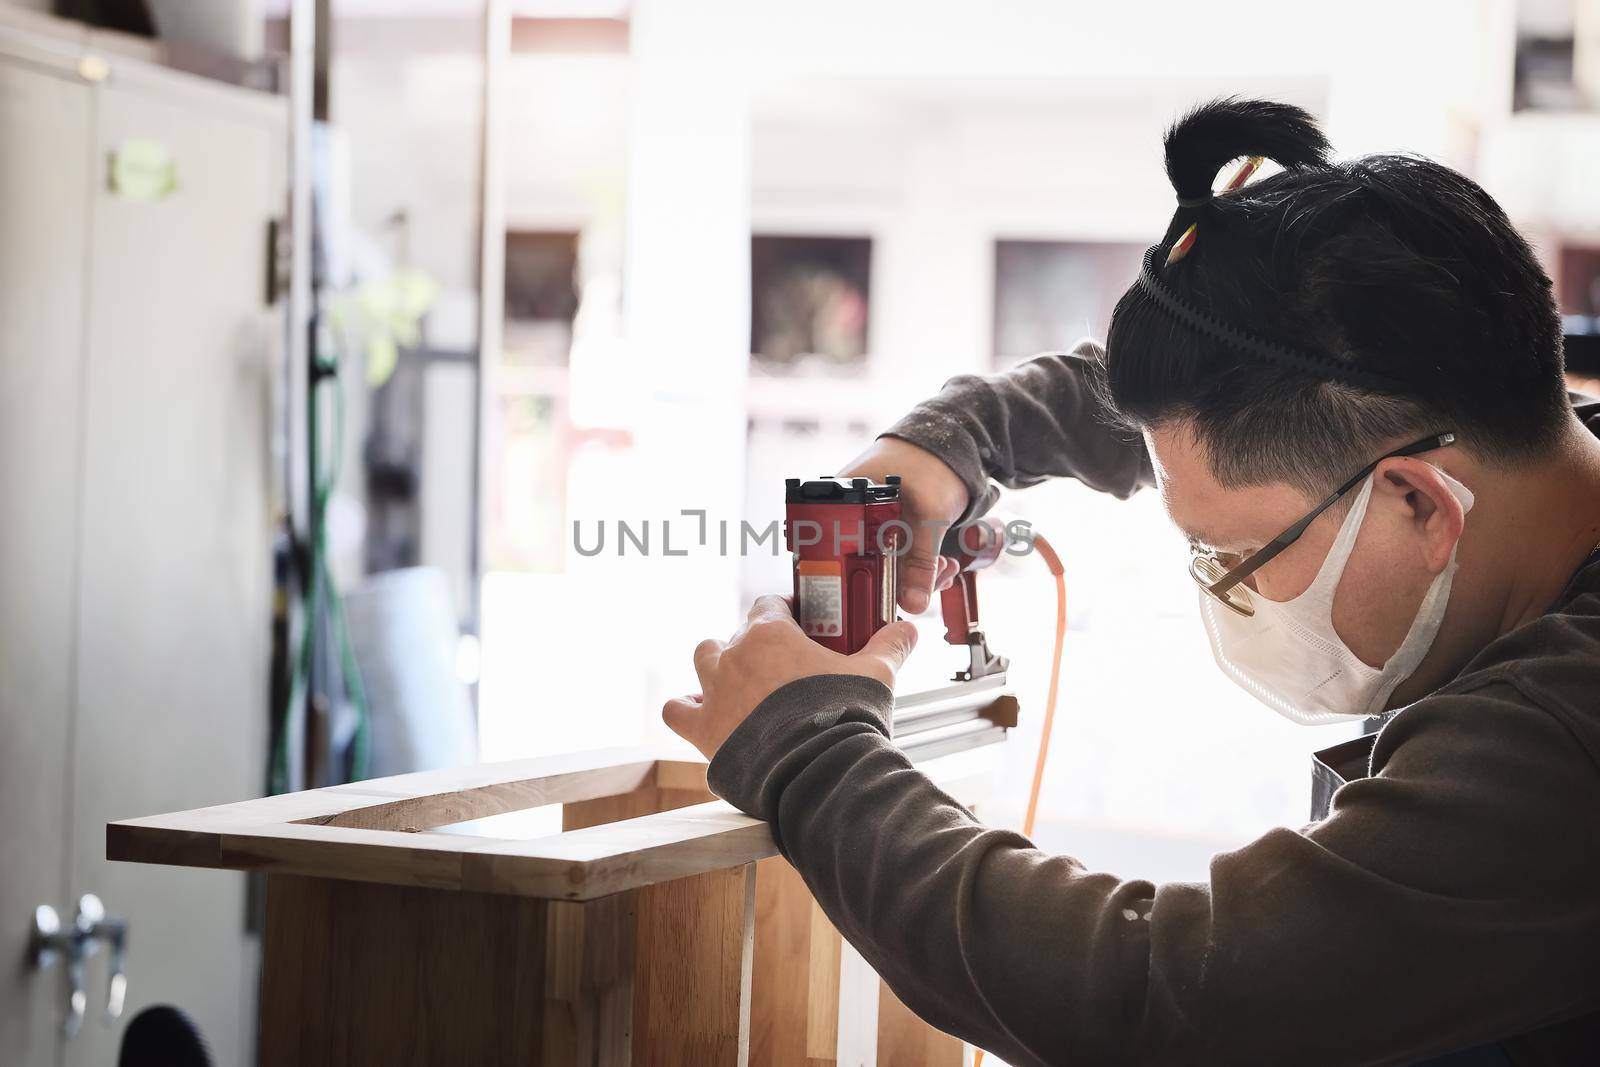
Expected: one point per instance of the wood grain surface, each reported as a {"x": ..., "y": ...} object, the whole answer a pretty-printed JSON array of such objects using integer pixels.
[
  {"x": 355, "y": 973},
  {"x": 691, "y": 991},
  {"x": 381, "y": 830},
  {"x": 657, "y": 928}
]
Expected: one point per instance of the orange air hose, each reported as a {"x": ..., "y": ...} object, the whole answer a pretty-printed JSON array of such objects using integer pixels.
[{"x": 1052, "y": 561}]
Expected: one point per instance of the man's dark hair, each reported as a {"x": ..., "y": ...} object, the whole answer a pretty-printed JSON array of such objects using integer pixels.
[{"x": 1389, "y": 269}]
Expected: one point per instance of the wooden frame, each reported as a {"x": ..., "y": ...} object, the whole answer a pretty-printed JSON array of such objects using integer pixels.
[
  {"x": 386, "y": 830},
  {"x": 659, "y": 927}
]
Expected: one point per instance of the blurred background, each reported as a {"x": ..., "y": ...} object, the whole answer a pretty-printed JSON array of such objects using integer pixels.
[{"x": 379, "y": 378}]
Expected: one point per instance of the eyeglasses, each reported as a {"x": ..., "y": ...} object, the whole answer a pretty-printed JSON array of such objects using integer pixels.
[{"x": 1221, "y": 574}]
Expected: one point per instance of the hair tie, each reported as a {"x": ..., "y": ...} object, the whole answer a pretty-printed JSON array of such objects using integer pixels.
[{"x": 1187, "y": 202}]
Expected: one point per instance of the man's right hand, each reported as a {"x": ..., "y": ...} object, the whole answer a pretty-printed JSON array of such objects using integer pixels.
[{"x": 932, "y": 498}]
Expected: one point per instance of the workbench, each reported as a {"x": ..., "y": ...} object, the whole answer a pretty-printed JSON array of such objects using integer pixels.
[{"x": 409, "y": 921}]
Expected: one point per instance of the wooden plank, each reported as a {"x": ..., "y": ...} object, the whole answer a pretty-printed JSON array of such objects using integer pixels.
[
  {"x": 681, "y": 774},
  {"x": 794, "y": 997},
  {"x": 639, "y": 944},
  {"x": 779, "y": 1005},
  {"x": 360, "y": 974},
  {"x": 194, "y": 838},
  {"x": 370, "y": 831},
  {"x": 570, "y": 769},
  {"x": 858, "y": 1009},
  {"x": 365, "y": 974},
  {"x": 904, "y": 1040},
  {"x": 646, "y": 800},
  {"x": 813, "y": 999},
  {"x": 822, "y": 990},
  {"x": 691, "y": 993},
  {"x": 411, "y": 814},
  {"x": 368, "y": 974},
  {"x": 228, "y": 835},
  {"x": 504, "y": 786},
  {"x": 580, "y": 865},
  {"x": 366, "y": 832},
  {"x": 589, "y": 1013},
  {"x": 599, "y": 860},
  {"x": 589, "y": 969},
  {"x": 306, "y": 806},
  {"x": 358, "y": 855}
]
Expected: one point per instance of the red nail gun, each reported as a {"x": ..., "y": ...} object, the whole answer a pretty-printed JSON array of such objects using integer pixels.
[{"x": 846, "y": 535}]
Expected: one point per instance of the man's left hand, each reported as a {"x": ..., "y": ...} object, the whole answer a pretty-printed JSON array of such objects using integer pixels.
[{"x": 768, "y": 652}]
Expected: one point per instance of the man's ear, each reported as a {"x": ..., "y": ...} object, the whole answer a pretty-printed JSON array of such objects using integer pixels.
[{"x": 1434, "y": 514}]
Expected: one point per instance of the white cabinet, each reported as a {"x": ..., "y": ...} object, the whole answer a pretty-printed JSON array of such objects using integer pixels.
[{"x": 137, "y": 361}]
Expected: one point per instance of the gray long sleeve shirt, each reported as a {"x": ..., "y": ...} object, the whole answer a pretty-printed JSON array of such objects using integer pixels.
[{"x": 1450, "y": 899}]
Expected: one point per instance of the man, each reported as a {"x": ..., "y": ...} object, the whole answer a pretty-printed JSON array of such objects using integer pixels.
[{"x": 1346, "y": 382}]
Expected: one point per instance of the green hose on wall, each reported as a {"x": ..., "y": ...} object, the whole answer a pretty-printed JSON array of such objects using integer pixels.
[{"x": 323, "y": 608}]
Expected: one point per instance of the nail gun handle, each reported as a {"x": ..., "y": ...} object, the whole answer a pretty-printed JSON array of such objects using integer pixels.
[
  {"x": 973, "y": 546},
  {"x": 975, "y": 543}
]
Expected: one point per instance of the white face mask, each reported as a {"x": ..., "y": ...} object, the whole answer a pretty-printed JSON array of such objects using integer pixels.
[{"x": 1288, "y": 656}]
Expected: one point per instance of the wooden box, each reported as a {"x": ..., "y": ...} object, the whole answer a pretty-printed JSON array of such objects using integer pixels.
[{"x": 407, "y": 925}]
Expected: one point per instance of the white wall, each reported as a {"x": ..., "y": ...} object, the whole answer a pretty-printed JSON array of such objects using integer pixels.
[{"x": 935, "y": 128}]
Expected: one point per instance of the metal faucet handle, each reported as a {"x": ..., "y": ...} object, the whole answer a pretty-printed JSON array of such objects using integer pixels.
[
  {"x": 46, "y": 942},
  {"x": 93, "y": 927},
  {"x": 117, "y": 984},
  {"x": 77, "y": 994},
  {"x": 51, "y": 941},
  {"x": 91, "y": 912}
]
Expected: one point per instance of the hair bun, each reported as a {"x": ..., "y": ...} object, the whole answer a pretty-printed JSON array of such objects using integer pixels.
[{"x": 1214, "y": 134}]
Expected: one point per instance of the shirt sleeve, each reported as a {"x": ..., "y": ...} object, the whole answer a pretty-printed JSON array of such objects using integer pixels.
[
  {"x": 1041, "y": 419},
  {"x": 1446, "y": 902}
]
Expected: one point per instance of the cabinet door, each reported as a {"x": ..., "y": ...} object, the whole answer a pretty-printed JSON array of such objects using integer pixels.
[
  {"x": 44, "y": 194},
  {"x": 175, "y": 591}
]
